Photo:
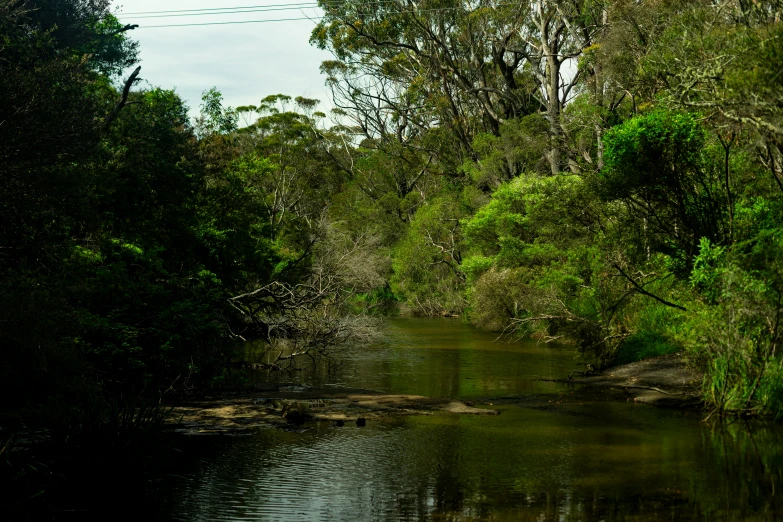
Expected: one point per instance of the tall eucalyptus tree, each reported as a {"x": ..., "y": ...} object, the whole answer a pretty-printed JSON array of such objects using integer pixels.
[{"x": 403, "y": 67}]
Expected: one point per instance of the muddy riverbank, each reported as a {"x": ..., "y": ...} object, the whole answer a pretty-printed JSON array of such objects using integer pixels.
[
  {"x": 290, "y": 406},
  {"x": 661, "y": 381},
  {"x": 664, "y": 381}
]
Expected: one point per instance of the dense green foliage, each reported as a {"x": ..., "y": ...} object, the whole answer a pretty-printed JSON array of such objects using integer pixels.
[
  {"x": 126, "y": 228},
  {"x": 631, "y": 208},
  {"x": 603, "y": 173}
]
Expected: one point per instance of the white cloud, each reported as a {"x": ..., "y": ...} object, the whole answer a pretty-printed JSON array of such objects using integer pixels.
[{"x": 246, "y": 62}]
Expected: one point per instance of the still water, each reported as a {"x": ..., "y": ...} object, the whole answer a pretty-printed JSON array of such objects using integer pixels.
[{"x": 570, "y": 459}]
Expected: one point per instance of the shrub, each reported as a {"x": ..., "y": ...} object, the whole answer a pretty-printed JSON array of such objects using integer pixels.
[{"x": 734, "y": 331}]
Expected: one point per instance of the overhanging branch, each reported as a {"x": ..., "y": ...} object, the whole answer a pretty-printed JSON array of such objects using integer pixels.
[
  {"x": 129, "y": 27},
  {"x": 645, "y": 292}
]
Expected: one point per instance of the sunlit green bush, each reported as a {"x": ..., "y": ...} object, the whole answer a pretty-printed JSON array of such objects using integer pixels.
[{"x": 734, "y": 330}]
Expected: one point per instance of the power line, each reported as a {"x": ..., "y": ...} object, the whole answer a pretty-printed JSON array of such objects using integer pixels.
[
  {"x": 209, "y": 9},
  {"x": 266, "y": 10},
  {"x": 222, "y": 10},
  {"x": 231, "y": 23},
  {"x": 217, "y": 10},
  {"x": 225, "y": 11},
  {"x": 311, "y": 18}
]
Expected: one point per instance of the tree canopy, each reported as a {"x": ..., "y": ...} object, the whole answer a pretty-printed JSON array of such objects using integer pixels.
[{"x": 602, "y": 172}]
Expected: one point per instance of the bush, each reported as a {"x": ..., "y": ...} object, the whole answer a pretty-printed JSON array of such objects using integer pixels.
[
  {"x": 734, "y": 331},
  {"x": 643, "y": 345},
  {"x": 426, "y": 263},
  {"x": 500, "y": 296}
]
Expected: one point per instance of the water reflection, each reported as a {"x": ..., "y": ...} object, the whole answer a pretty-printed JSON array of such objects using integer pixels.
[
  {"x": 444, "y": 358},
  {"x": 580, "y": 461}
]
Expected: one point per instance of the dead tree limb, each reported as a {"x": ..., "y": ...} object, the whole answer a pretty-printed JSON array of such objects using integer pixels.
[
  {"x": 129, "y": 27},
  {"x": 133, "y": 78},
  {"x": 604, "y": 384},
  {"x": 654, "y": 388},
  {"x": 645, "y": 292}
]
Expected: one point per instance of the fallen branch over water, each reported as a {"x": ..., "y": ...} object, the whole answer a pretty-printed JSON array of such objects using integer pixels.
[
  {"x": 652, "y": 388},
  {"x": 604, "y": 384}
]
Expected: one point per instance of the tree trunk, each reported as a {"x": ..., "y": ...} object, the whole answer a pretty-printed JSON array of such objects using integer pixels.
[{"x": 553, "y": 110}]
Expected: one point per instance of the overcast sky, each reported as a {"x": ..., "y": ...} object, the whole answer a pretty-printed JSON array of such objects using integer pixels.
[{"x": 246, "y": 62}]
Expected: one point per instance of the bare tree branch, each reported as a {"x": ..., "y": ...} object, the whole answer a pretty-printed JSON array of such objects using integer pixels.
[
  {"x": 133, "y": 78},
  {"x": 129, "y": 27},
  {"x": 645, "y": 292}
]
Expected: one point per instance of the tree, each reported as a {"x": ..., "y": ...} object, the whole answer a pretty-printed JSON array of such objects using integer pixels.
[
  {"x": 407, "y": 69},
  {"x": 453, "y": 65},
  {"x": 426, "y": 262},
  {"x": 314, "y": 315},
  {"x": 657, "y": 166}
]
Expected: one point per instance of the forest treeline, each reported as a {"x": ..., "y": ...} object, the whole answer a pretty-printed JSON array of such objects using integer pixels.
[{"x": 607, "y": 173}]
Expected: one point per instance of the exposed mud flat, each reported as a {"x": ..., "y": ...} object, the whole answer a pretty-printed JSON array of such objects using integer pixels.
[
  {"x": 661, "y": 381},
  {"x": 296, "y": 405}
]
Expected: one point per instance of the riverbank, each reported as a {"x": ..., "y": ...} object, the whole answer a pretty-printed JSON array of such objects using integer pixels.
[{"x": 664, "y": 381}]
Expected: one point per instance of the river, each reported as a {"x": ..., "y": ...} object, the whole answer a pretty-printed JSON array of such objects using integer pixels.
[{"x": 557, "y": 458}]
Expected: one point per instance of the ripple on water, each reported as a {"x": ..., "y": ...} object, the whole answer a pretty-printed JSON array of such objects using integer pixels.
[{"x": 591, "y": 462}]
